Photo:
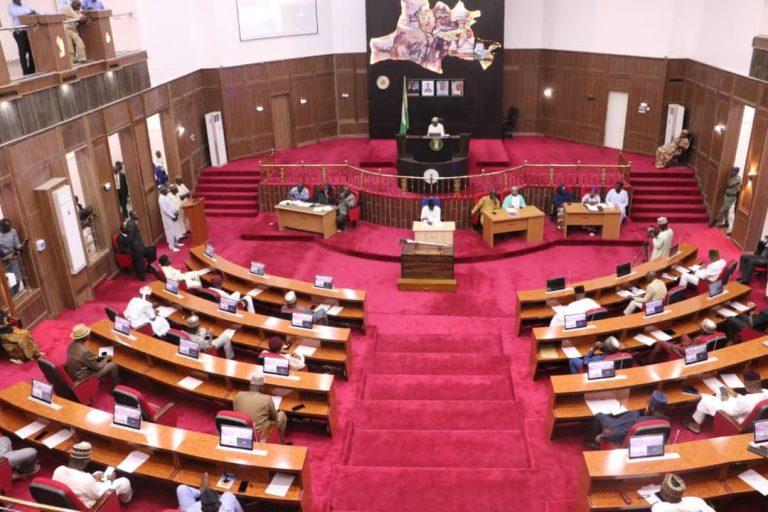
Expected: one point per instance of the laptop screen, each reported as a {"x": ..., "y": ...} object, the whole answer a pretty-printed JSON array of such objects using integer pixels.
[
  {"x": 623, "y": 270},
  {"x": 231, "y": 436},
  {"x": 674, "y": 250},
  {"x": 276, "y": 366},
  {"x": 646, "y": 446},
  {"x": 42, "y": 391},
  {"x": 324, "y": 282},
  {"x": 126, "y": 416},
  {"x": 189, "y": 348},
  {"x": 210, "y": 251},
  {"x": 257, "y": 268},
  {"x": 695, "y": 354},
  {"x": 172, "y": 286},
  {"x": 228, "y": 305},
  {"x": 555, "y": 284},
  {"x": 715, "y": 288},
  {"x": 654, "y": 307},
  {"x": 301, "y": 320},
  {"x": 601, "y": 370},
  {"x": 123, "y": 325},
  {"x": 761, "y": 431},
  {"x": 575, "y": 321}
]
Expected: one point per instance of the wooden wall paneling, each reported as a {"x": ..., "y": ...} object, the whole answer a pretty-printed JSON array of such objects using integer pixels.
[
  {"x": 103, "y": 172},
  {"x": 73, "y": 135},
  {"x": 99, "y": 90},
  {"x": 116, "y": 117},
  {"x": 304, "y": 124},
  {"x": 522, "y": 87},
  {"x": 102, "y": 234},
  {"x": 10, "y": 122},
  {"x": 39, "y": 110},
  {"x": 156, "y": 99},
  {"x": 172, "y": 155},
  {"x": 743, "y": 218}
]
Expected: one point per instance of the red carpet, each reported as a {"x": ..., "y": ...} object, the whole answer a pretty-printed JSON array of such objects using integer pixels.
[{"x": 671, "y": 193}]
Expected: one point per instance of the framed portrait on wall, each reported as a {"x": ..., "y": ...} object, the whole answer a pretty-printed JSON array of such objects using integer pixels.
[
  {"x": 457, "y": 87},
  {"x": 414, "y": 87},
  {"x": 442, "y": 87},
  {"x": 427, "y": 87}
]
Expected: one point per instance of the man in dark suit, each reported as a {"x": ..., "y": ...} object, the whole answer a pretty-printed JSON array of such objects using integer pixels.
[
  {"x": 142, "y": 254},
  {"x": 753, "y": 319},
  {"x": 122, "y": 188},
  {"x": 614, "y": 427},
  {"x": 747, "y": 262}
]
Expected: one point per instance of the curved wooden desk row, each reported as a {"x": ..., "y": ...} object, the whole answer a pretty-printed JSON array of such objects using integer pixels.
[
  {"x": 222, "y": 379},
  {"x": 635, "y": 386},
  {"x": 239, "y": 279},
  {"x": 177, "y": 456},
  {"x": 533, "y": 307},
  {"x": 333, "y": 342},
  {"x": 682, "y": 317},
  {"x": 709, "y": 467}
]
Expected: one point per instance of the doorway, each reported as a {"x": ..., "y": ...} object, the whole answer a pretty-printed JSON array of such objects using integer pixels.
[
  {"x": 157, "y": 147},
  {"x": 616, "y": 119},
  {"x": 121, "y": 180},
  {"x": 742, "y": 151},
  {"x": 282, "y": 126}
]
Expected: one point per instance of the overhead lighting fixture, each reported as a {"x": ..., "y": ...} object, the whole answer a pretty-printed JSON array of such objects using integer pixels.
[{"x": 548, "y": 92}]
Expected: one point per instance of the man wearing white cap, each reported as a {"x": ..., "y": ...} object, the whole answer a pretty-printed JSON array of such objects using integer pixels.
[
  {"x": 662, "y": 240},
  {"x": 260, "y": 408},
  {"x": 708, "y": 332},
  {"x": 89, "y": 488},
  {"x": 711, "y": 272},
  {"x": 605, "y": 348},
  {"x": 291, "y": 304},
  {"x": 435, "y": 129}
]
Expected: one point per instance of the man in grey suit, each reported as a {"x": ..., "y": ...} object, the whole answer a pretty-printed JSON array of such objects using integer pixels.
[{"x": 346, "y": 202}]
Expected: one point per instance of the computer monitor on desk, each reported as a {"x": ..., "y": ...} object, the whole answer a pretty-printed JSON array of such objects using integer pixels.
[
  {"x": 231, "y": 436},
  {"x": 641, "y": 447},
  {"x": 715, "y": 289},
  {"x": 42, "y": 391},
  {"x": 556, "y": 284},
  {"x": 761, "y": 431},
  {"x": 654, "y": 307},
  {"x": 623, "y": 270},
  {"x": 126, "y": 416},
  {"x": 575, "y": 321},
  {"x": 696, "y": 354},
  {"x": 601, "y": 370}
]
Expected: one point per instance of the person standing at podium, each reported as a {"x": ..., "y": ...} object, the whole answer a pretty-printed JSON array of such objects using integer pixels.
[
  {"x": 430, "y": 213},
  {"x": 514, "y": 200},
  {"x": 435, "y": 129}
]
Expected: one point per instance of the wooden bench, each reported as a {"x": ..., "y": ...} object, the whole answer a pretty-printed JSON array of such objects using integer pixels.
[
  {"x": 333, "y": 342},
  {"x": 273, "y": 289},
  {"x": 683, "y": 317},
  {"x": 635, "y": 386},
  {"x": 177, "y": 456},
  {"x": 222, "y": 379},
  {"x": 534, "y": 306}
]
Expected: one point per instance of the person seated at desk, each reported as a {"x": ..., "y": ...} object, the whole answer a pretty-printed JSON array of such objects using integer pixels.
[
  {"x": 90, "y": 487},
  {"x": 299, "y": 193},
  {"x": 82, "y": 363},
  {"x": 514, "y": 200},
  {"x": 295, "y": 361},
  {"x": 711, "y": 272},
  {"x": 748, "y": 262},
  {"x": 346, "y": 202},
  {"x": 561, "y": 197},
  {"x": 74, "y": 18},
  {"x": 580, "y": 304},
  {"x": 23, "y": 461},
  {"x": 435, "y": 129},
  {"x": 591, "y": 198},
  {"x": 662, "y": 238},
  {"x": 605, "y": 348},
  {"x": 291, "y": 304},
  {"x": 708, "y": 332},
  {"x": 205, "y": 499},
  {"x": 325, "y": 195},
  {"x": 430, "y": 213},
  {"x": 655, "y": 290},
  {"x": 753, "y": 319},
  {"x": 672, "y": 500},
  {"x": 486, "y": 204},
  {"x": 260, "y": 408},
  {"x": 201, "y": 336},
  {"x": 617, "y": 196},
  {"x": 733, "y": 404},
  {"x": 614, "y": 427},
  {"x": 191, "y": 278}
]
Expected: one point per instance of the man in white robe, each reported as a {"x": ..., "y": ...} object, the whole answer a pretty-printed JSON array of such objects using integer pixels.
[{"x": 169, "y": 212}]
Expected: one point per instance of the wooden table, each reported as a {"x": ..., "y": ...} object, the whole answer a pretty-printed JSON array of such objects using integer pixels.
[
  {"x": 576, "y": 214},
  {"x": 529, "y": 219},
  {"x": 273, "y": 289},
  {"x": 256, "y": 329},
  {"x": 568, "y": 392},
  {"x": 222, "y": 379},
  {"x": 177, "y": 456},
  {"x": 426, "y": 268},
  {"x": 441, "y": 233},
  {"x": 683, "y": 317},
  {"x": 306, "y": 218},
  {"x": 534, "y": 306}
]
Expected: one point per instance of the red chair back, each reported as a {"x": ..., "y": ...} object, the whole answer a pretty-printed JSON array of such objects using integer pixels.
[
  {"x": 124, "y": 260},
  {"x": 597, "y": 314},
  {"x": 56, "y": 494},
  {"x": 716, "y": 341},
  {"x": 237, "y": 419},
  {"x": 675, "y": 295},
  {"x": 58, "y": 377},
  {"x": 703, "y": 286},
  {"x": 354, "y": 212},
  {"x": 649, "y": 427},
  {"x": 125, "y": 395},
  {"x": 621, "y": 360},
  {"x": 760, "y": 412}
]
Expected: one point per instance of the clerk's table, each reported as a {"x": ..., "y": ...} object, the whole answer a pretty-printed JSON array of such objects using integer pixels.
[
  {"x": 529, "y": 219},
  {"x": 607, "y": 217},
  {"x": 306, "y": 217},
  {"x": 437, "y": 233}
]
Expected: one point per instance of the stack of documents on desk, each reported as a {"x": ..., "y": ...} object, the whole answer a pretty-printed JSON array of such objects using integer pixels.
[
  {"x": 680, "y": 268},
  {"x": 511, "y": 211},
  {"x": 166, "y": 311},
  {"x": 604, "y": 402},
  {"x": 665, "y": 275},
  {"x": 725, "y": 312},
  {"x": 324, "y": 208},
  {"x": 645, "y": 340},
  {"x": 648, "y": 493},
  {"x": 738, "y": 306},
  {"x": 592, "y": 207},
  {"x": 660, "y": 335},
  {"x": 756, "y": 481}
]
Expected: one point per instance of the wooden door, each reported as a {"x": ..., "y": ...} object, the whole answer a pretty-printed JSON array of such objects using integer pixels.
[{"x": 282, "y": 124}]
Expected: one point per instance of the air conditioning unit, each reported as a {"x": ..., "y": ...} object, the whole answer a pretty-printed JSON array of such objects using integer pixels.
[
  {"x": 675, "y": 117},
  {"x": 217, "y": 144}
]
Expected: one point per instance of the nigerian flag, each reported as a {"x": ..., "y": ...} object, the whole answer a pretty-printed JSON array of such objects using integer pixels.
[{"x": 404, "y": 121}]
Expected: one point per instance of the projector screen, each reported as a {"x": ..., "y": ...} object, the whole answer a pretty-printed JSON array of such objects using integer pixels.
[{"x": 260, "y": 19}]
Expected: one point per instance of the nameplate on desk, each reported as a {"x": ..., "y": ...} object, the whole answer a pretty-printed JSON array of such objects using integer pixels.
[
  {"x": 55, "y": 407},
  {"x": 594, "y": 381},
  {"x": 666, "y": 456},
  {"x": 261, "y": 453},
  {"x": 129, "y": 336}
]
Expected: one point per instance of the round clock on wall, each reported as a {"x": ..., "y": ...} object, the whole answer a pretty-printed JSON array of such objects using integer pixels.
[
  {"x": 382, "y": 82},
  {"x": 431, "y": 176}
]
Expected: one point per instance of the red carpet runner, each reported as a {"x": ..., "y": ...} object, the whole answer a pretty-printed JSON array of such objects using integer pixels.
[
  {"x": 671, "y": 193},
  {"x": 229, "y": 192}
]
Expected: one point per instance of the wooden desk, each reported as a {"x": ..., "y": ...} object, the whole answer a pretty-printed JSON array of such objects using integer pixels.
[
  {"x": 426, "y": 268},
  {"x": 306, "y": 219},
  {"x": 177, "y": 456},
  {"x": 533, "y": 306},
  {"x": 576, "y": 214},
  {"x": 709, "y": 467},
  {"x": 271, "y": 299},
  {"x": 441, "y": 233},
  {"x": 333, "y": 341},
  {"x": 529, "y": 219},
  {"x": 684, "y": 317},
  {"x": 567, "y": 396},
  {"x": 222, "y": 379}
]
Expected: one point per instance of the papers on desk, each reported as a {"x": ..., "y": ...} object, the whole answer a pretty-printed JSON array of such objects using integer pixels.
[
  {"x": 755, "y": 480},
  {"x": 511, "y": 211},
  {"x": 335, "y": 310},
  {"x": 166, "y": 311},
  {"x": 280, "y": 484},
  {"x": 605, "y": 406},
  {"x": 713, "y": 384},
  {"x": 636, "y": 290},
  {"x": 645, "y": 340},
  {"x": 660, "y": 335},
  {"x": 203, "y": 271},
  {"x": 132, "y": 461},
  {"x": 725, "y": 312},
  {"x": 276, "y": 400},
  {"x": 738, "y": 306},
  {"x": 680, "y": 268},
  {"x": 648, "y": 493},
  {"x": 592, "y": 207},
  {"x": 694, "y": 268},
  {"x": 305, "y": 350},
  {"x": 190, "y": 383},
  {"x": 58, "y": 438},
  {"x": 325, "y": 208},
  {"x": 732, "y": 380},
  {"x": 97, "y": 416},
  {"x": 666, "y": 275},
  {"x": 569, "y": 350},
  {"x": 107, "y": 351},
  {"x": 33, "y": 428},
  {"x": 255, "y": 292},
  {"x": 625, "y": 294}
]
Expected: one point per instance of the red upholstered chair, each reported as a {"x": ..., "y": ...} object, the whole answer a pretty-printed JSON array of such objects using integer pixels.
[
  {"x": 124, "y": 260},
  {"x": 642, "y": 428},
  {"x": 730, "y": 268},
  {"x": 174, "y": 335},
  {"x": 6, "y": 476},
  {"x": 239, "y": 419},
  {"x": 703, "y": 286},
  {"x": 675, "y": 295},
  {"x": 597, "y": 314},
  {"x": 165, "y": 415},
  {"x": 726, "y": 425},
  {"x": 83, "y": 391},
  {"x": 748, "y": 333},
  {"x": 111, "y": 313},
  {"x": 716, "y": 342},
  {"x": 622, "y": 360},
  {"x": 354, "y": 213},
  {"x": 56, "y": 494}
]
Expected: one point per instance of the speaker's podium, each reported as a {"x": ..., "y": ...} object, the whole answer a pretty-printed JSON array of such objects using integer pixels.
[
  {"x": 194, "y": 209},
  {"x": 426, "y": 264}
]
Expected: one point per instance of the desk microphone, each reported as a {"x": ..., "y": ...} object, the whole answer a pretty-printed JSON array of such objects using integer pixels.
[{"x": 676, "y": 435}]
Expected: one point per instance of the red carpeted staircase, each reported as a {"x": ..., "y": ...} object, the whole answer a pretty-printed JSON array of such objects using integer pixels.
[
  {"x": 229, "y": 192},
  {"x": 671, "y": 193}
]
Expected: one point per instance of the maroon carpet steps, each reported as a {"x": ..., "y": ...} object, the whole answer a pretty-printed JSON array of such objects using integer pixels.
[
  {"x": 229, "y": 193},
  {"x": 671, "y": 193}
]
